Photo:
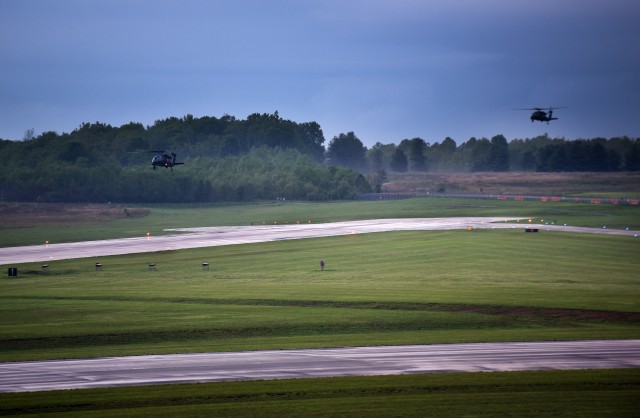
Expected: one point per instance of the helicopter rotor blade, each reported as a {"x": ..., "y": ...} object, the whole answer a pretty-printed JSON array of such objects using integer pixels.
[{"x": 540, "y": 108}]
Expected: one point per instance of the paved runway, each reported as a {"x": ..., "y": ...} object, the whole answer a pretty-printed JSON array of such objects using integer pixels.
[
  {"x": 229, "y": 235},
  {"x": 210, "y": 367},
  {"x": 359, "y": 361}
]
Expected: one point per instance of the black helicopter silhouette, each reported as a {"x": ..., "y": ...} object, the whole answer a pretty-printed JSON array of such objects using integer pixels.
[
  {"x": 543, "y": 115},
  {"x": 164, "y": 160}
]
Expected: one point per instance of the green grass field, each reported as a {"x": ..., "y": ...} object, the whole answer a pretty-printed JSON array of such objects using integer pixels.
[
  {"x": 586, "y": 393},
  {"x": 377, "y": 289},
  {"x": 386, "y": 288}
]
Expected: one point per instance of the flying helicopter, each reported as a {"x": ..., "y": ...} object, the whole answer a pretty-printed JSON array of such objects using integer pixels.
[
  {"x": 164, "y": 160},
  {"x": 543, "y": 115}
]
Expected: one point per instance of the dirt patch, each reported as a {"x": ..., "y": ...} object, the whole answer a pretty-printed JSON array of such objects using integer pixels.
[
  {"x": 27, "y": 215},
  {"x": 545, "y": 314},
  {"x": 623, "y": 184},
  {"x": 518, "y": 313}
]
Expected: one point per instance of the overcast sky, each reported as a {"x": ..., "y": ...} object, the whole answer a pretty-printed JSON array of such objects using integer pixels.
[{"x": 385, "y": 69}]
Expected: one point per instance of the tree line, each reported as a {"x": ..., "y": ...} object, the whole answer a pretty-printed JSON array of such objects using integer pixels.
[
  {"x": 542, "y": 154},
  {"x": 496, "y": 154},
  {"x": 226, "y": 159},
  {"x": 263, "y": 157}
]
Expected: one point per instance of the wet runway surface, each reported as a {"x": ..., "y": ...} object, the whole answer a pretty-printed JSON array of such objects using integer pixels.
[
  {"x": 230, "y": 235},
  {"x": 215, "y": 367},
  {"x": 358, "y": 361}
]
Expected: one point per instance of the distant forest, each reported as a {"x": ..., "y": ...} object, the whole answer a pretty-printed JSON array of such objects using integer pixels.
[{"x": 263, "y": 157}]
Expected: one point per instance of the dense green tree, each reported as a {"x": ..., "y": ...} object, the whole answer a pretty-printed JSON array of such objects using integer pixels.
[
  {"x": 399, "y": 161},
  {"x": 448, "y": 146},
  {"x": 479, "y": 152},
  {"x": 346, "y": 150},
  {"x": 499, "y": 154},
  {"x": 71, "y": 151},
  {"x": 552, "y": 157},
  {"x": 313, "y": 139},
  {"x": 415, "y": 150},
  {"x": 528, "y": 161},
  {"x": 375, "y": 157},
  {"x": 379, "y": 156},
  {"x": 441, "y": 156},
  {"x": 632, "y": 158}
]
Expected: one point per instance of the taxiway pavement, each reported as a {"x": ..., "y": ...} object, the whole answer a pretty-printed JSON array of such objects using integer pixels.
[
  {"x": 211, "y": 367},
  {"x": 229, "y": 235},
  {"x": 281, "y": 364}
]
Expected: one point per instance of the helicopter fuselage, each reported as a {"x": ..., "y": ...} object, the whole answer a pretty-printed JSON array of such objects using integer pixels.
[
  {"x": 161, "y": 161},
  {"x": 542, "y": 116},
  {"x": 165, "y": 161}
]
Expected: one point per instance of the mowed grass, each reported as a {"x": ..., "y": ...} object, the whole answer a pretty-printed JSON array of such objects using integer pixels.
[
  {"x": 384, "y": 288},
  {"x": 392, "y": 288},
  {"x": 588, "y": 393}
]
